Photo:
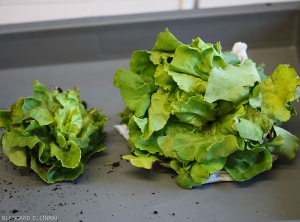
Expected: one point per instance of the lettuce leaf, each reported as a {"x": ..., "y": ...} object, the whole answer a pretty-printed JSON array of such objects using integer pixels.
[
  {"x": 198, "y": 110},
  {"x": 231, "y": 83},
  {"x": 282, "y": 83},
  {"x": 135, "y": 91},
  {"x": 52, "y": 133}
]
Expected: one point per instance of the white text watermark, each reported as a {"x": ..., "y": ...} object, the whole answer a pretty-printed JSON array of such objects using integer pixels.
[{"x": 29, "y": 218}]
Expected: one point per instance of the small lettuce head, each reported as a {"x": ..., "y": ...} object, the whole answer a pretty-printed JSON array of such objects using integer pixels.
[{"x": 52, "y": 133}]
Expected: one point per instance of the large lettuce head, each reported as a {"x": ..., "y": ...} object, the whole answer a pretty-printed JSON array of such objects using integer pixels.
[
  {"x": 198, "y": 110},
  {"x": 52, "y": 133}
]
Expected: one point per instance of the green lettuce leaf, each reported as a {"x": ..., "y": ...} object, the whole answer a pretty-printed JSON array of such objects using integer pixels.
[
  {"x": 243, "y": 165},
  {"x": 232, "y": 83},
  {"x": 288, "y": 144},
  {"x": 163, "y": 78},
  {"x": 158, "y": 114},
  {"x": 195, "y": 111},
  {"x": 185, "y": 180},
  {"x": 135, "y": 91},
  {"x": 16, "y": 154},
  {"x": 188, "y": 83},
  {"x": 5, "y": 121},
  {"x": 248, "y": 130},
  {"x": 166, "y": 42}
]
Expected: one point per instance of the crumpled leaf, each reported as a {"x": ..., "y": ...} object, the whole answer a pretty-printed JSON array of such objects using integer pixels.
[
  {"x": 188, "y": 83},
  {"x": 200, "y": 172},
  {"x": 249, "y": 130},
  {"x": 16, "y": 154},
  {"x": 166, "y": 42},
  {"x": 243, "y": 165},
  {"x": 143, "y": 162},
  {"x": 231, "y": 83},
  {"x": 287, "y": 145},
  {"x": 185, "y": 180},
  {"x": 158, "y": 114},
  {"x": 56, "y": 173},
  {"x": 135, "y": 91},
  {"x": 195, "y": 111},
  {"x": 197, "y": 59},
  {"x": 202, "y": 148},
  {"x": 282, "y": 83},
  {"x": 5, "y": 121},
  {"x": 70, "y": 157}
]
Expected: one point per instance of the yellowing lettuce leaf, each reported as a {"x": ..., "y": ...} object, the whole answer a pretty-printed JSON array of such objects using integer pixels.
[
  {"x": 278, "y": 90},
  {"x": 143, "y": 162}
]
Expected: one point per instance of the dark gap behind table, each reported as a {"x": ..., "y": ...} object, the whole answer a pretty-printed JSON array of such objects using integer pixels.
[{"x": 116, "y": 37}]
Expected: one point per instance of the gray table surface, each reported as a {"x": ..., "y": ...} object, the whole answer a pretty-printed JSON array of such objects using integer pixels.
[{"x": 129, "y": 193}]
